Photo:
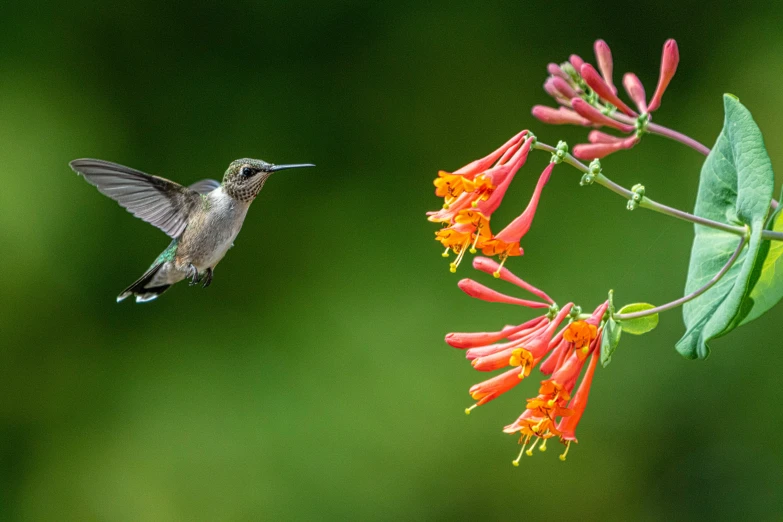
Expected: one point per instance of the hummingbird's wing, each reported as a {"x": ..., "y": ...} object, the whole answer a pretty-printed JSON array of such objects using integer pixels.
[
  {"x": 156, "y": 200},
  {"x": 205, "y": 186}
]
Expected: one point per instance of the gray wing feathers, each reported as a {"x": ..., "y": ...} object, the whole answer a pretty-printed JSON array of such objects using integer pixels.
[
  {"x": 205, "y": 186},
  {"x": 157, "y": 201}
]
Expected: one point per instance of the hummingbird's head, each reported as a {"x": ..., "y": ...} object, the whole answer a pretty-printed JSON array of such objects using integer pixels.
[{"x": 245, "y": 177}]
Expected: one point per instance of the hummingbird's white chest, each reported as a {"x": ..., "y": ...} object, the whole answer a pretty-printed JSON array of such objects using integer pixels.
[{"x": 213, "y": 231}]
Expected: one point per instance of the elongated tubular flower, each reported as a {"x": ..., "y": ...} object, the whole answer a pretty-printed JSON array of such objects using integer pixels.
[
  {"x": 490, "y": 389},
  {"x": 567, "y": 425},
  {"x": 559, "y": 116},
  {"x": 479, "y": 291},
  {"x": 669, "y": 61},
  {"x": 468, "y": 216},
  {"x": 506, "y": 242},
  {"x": 633, "y": 86},
  {"x": 489, "y": 266},
  {"x": 536, "y": 344},
  {"x": 590, "y": 151},
  {"x": 592, "y": 114},
  {"x": 493, "y": 388},
  {"x": 473, "y": 339},
  {"x": 450, "y": 185},
  {"x": 603, "y": 56},
  {"x": 603, "y": 90}
]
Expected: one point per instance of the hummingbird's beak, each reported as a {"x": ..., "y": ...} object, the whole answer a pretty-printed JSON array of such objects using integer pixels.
[{"x": 275, "y": 168}]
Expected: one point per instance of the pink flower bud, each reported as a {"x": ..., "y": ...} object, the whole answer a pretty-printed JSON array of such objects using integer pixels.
[
  {"x": 669, "y": 61},
  {"x": 559, "y": 116},
  {"x": 604, "y": 57},
  {"x": 586, "y": 110},
  {"x": 576, "y": 61},
  {"x": 635, "y": 89},
  {"x": 601, "y": 137},
  {"x": 490, "y": 266},
  {"x": 594, "y": 80},
  {"x": 593, "y": 151},
  {"x": 564, "y": 88},
  {"x": 555, "y": 70},
  {"x": 551, "y": 90},
  {"x": 479, "y": 291}
]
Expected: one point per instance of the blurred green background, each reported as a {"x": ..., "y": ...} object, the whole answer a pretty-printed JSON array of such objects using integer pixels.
[{"x": 311, "y": 381}]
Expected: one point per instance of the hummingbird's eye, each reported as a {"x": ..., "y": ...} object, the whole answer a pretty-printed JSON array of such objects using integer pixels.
[{"x": 247, "y": 172}]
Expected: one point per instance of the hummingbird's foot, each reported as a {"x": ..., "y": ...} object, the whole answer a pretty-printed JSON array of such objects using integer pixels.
[
  {"x": 207, "y": 278},
  {"x": 193, "y": 274}
]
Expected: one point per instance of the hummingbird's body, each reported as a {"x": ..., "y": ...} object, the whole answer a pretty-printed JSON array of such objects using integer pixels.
[{"x": 203, "y": 219}]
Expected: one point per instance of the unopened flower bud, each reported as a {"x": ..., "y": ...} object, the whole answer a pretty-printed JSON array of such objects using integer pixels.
[
  {"x": 555, "y": 70},
  {"x": 586, "y": 151},
  {"x": 669, "y": 61},
  {"x": 576, "y": 62},
  {"x": 559, "y": 116},
  {"x": 563, "y": 87},
  {"x": 601, "y": 137},
  {"x": 602, "y": 89},
  {"x": 589, "y": 112},
  {"x": 635, "y": 89},
  {"x": 604, "y": 57}
]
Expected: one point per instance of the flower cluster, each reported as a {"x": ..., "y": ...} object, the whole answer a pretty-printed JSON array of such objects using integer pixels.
[
  {"x": 471, "y": 195},
  {"x": 590, "y": 99},
  {"x": 560, "y": 355}
]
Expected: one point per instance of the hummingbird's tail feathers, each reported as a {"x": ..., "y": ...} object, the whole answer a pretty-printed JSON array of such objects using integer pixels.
[{"x": 140, "y": 289}]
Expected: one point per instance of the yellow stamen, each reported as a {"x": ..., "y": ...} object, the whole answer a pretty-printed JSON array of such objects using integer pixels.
[
  {"x": 453, "y": 266},
  {"x": 568, "y": 446},
  {"x": 522, "y": 370},
  {"x": 446, "y": 206},
  {"x": 446, "y": 253},
  {"x": 475, "y": 241},
  {"x": 496, "y": 273},
  {"x": 542, "y": 447},
  {"x": 515, "y": 462},
  {"x": 529, "y": 452},
  {"x": 467, "y": 410},
  {"x": 474, "y": 203}
]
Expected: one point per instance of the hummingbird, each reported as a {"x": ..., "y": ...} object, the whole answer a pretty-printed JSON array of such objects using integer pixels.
[{"x": 202, "y": 219}]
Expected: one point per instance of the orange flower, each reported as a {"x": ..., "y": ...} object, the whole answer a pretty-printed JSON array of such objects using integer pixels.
[
  {"x": 580, "y": 333},
  {"x": 472, "y": 194},
  {"x": 556, "y": 410}
]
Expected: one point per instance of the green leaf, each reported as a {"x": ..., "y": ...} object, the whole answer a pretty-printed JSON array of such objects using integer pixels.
[
  {"x": 641, "y": 325},
  {"x": 768, "y": 288},
  {"x": 609, "y": 341},
  {"x": 735, "y": 187}
]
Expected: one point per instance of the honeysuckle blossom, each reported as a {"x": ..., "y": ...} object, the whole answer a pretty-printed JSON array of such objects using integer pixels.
[
  {"x": 472, "y": 194},
  {"x": 589, "y": 98},
  {"x": 557, "y": 409}
]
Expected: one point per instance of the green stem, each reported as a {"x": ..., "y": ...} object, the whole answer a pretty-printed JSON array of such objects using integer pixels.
[
  {"x": 654, "y": 205},
  {"x": 692, "y": 295}
]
